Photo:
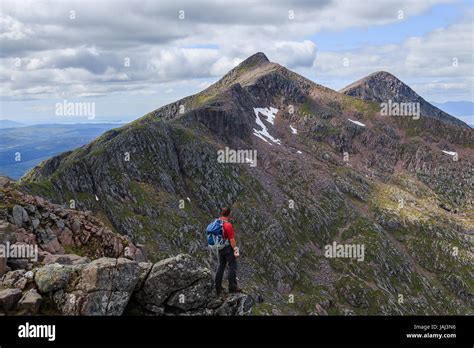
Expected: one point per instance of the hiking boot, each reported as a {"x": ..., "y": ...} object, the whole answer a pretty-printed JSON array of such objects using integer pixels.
[{"x": 236, "y": 290}]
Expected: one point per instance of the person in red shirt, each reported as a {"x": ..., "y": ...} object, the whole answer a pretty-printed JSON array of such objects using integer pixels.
[{"x": 228, "y": 255}]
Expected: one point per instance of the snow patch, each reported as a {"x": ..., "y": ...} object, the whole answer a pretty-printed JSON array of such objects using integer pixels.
[
  {"x": 269, "y": 114},
  {"x": 451, "y": 153},
  {"x": 357, "y": 123},
  {"x": 293, "y": 130}
]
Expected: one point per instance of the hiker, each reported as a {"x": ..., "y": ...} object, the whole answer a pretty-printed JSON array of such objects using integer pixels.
[{"x": 227, "y": 250}]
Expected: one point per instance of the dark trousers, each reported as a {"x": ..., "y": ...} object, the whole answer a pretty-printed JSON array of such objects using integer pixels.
[{"x": 226, "y": 256}]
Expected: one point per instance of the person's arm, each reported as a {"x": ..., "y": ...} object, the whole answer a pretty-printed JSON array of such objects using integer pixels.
[
  {"x": 231, "y": 236},
  {"x": 233, "y": 243}
]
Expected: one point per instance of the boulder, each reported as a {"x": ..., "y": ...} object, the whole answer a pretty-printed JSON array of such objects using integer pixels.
[
  {"x": 66, "y": 237},
  {"x": 65, "y": 259},
  {"x": 30, "y": 302},
  {"x": 103, "y": 287},
  {"x": 9, "y": 298},
  {"x": 19, "y": 215},
  {"x": 52, "y": 277},
  {"x": 168, "y": 276},
  {"x": 15, "y": 279},
  {"x": 18, "y": 264},
  {"x": 193, "y": 297}
]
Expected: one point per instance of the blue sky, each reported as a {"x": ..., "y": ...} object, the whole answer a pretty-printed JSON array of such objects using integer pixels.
[
  {"x": 438, "y": 16},
  {"x": 47, "y": 56}
]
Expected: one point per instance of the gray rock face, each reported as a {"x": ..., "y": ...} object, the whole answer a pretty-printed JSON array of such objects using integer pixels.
[
  {"x": 106, "y": 286},
  {"x": 103, "y": 287},
  {"x": 172, "y": 275},
  {"x": 20, "y": 215},
  {"x": 193, "y": 297}
]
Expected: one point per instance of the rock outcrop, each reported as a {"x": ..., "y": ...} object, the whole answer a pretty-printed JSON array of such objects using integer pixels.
[
  {"x": 109, "y": 286},
  {"x": 110, "y": 277},
  {"x": 58, "y": 232}
]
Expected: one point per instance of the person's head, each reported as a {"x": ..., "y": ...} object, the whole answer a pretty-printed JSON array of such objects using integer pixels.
[{"x": 225, "y": 212}]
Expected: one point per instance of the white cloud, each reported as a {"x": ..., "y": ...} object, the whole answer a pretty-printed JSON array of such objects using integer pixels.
[
  {"x": 87, "y": 54},
  {"x": 438, "y": 65}
]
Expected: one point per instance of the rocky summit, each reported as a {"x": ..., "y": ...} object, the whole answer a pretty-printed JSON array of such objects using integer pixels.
[{"x": 346, "y": 209}]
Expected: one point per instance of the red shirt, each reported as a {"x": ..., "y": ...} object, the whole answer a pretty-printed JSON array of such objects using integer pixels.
[{"x": 228, "y": 229}]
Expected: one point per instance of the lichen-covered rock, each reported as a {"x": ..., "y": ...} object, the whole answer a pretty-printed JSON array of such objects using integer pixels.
[
  {"x": 238, "y": 304},
  {"x": 52, "y": 277},
  {"x": 102, "y": 287},
  {"x": 168, "y": 276},
  {"x": 16, "y": 279},
  {"x": 193, "y": 297},
  {"x": 30, "y": 302}
]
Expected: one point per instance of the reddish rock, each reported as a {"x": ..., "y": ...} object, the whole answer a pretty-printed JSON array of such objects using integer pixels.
[
  {"x": 53, "y": 247},
  {"x": 66, "y": 237},
  {"x": 39, "y": 201}
]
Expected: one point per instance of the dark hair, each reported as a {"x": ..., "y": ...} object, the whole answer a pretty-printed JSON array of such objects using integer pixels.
[{"x": 225, "y": 211}]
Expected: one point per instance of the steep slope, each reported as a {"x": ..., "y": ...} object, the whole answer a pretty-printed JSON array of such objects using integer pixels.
[
  {"x": 329, "y": 169},
  {"x": 382, "y": 86}
]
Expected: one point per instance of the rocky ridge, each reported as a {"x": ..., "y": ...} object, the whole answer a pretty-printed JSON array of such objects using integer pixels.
[
  {"x": 110, "y": 276},
  {"x": 348, "y": 175}
]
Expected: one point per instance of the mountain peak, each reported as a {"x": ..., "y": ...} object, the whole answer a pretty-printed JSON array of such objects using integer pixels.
[
  {"x": 378, "y": 77},
  {"x": 256, "y": 59},
  {"x": 247, "y": 70},
  {"x": 381, "y": 86},
  {"x": 382, "y": 74}
]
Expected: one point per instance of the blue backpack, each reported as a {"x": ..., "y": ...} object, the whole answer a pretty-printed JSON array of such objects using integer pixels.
[{"x": 215, "y": 235}]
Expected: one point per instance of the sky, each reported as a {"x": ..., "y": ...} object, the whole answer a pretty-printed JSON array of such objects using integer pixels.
[{"x": 128, "y": 58}]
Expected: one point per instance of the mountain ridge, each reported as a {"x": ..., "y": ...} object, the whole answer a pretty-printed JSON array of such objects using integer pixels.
[
  {"x": 397, "y": 91},
  {"x": 339, "y": 178}
]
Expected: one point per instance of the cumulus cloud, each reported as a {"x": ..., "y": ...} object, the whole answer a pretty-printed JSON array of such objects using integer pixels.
[
  {"x": 51, "y": 48},
  {"x": 438, "y": 65}
]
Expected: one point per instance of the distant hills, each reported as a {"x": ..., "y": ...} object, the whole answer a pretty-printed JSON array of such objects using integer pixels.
[
  {"x": 10, "y": 124},
  {"x": 461, "y": 109},
  {"x": 22, "y": 147}
]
